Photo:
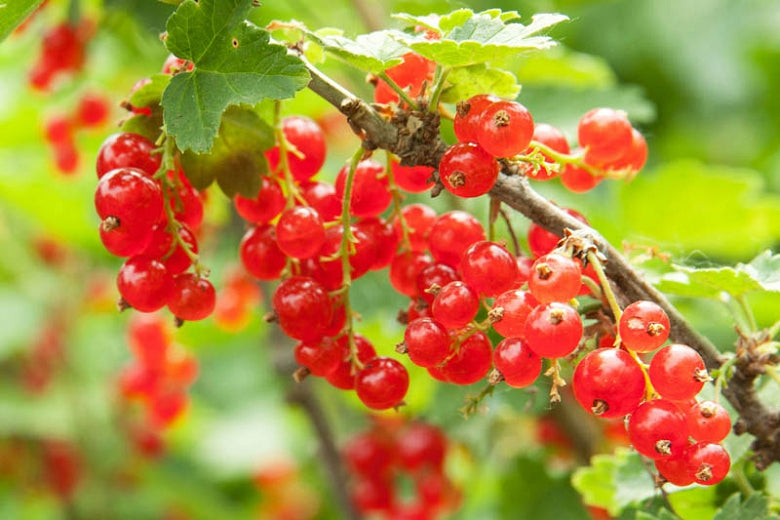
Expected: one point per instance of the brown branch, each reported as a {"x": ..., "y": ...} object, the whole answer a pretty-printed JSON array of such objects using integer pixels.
[{"x": 514, "y": 190}]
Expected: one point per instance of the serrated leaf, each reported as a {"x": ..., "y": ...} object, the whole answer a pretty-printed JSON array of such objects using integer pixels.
[
  {"x": 719, "y": 279},
  {"x": 151, "y": 93},
  {"x": 480, "y": 79},
  {"x": 372, "y": 52},
  {"x": 235, "y": 62},
  {"x": 756, "y": 507},
  {"x": 765, "y": 268},
  {"x": 14, "y": 13},
  {"x": 614, "y": 481},
  {"x": 468, "y": 38}
]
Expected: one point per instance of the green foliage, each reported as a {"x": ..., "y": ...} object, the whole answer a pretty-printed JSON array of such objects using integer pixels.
[
  {"x": 235, "y": 62},
  {"x": 373, "y": 52},
  {"x": 480, "y": 79},
  {"x": 756, "y": 507},
  {"x": 614, "y": 481},
  {"x": 13, "y": 13}
]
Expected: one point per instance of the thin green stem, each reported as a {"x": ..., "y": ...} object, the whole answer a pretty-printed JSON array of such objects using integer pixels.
[
  {"x": 751, "y": 319},
  {"x": 406, "y": 242},
  {"x": 739, "y": 474},
  {"x": 606, "y": 287},
  {"x": 495, "y": 209},
  {"x": 439, "y": 79},
  {"x": 284, "y": 162},
  {"x": 398, "y": 90}
]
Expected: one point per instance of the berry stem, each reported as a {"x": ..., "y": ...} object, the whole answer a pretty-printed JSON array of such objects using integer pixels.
[
  {"x": 511, "y": 230},
  {"x": 608, "y": 293},
  {"x": 284, "y": 148},
  {"x": 751, "y": 319},
  {"x": 554, "y": 372},
  {"x": 397, "y": 200},
  {"x": 439, "y": 77},
  {"x": 495, "y": 209},
  {"x": 398, "y": 90},
  {"x": 473, "y": 401}
]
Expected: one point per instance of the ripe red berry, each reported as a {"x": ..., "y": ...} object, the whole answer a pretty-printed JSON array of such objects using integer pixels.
[
  {"x": 144, "y": 283},
  {"x": 708, "y": 421},
  {"x": 515, "y": 307},
  {"x": 382, "y": 383},
  {"x": 519, "y": 365},
  {"x": 148, "y": 339},
  {"x": 635, "y": 157},
  {"x": 92, "y": 110},
  {"x": 421, "y": 446},
  {"x": 607, "y": 382},
  {"x": 431, "y": 276},
  {"x": 58, "y": 129},
  {"x": 193, "y": 297},
  {"x": 427, "y": 342},
  {"x": 127, "y": 198},
  {"x": 299, "y": 232},
  {"x": 127, "y": 150},
  {"x": 467, "y": 170},
  {"x": 455, "y": 305},
  {"x": 320, "y": 357},
  {"x": 488, "y": 268},
  {"x": 541, "y": 241},
  {"x": 472, "y": 361},
  {"x": 303, "y": 308},
  {"x": 505, "y": 129},
  {"x": 674, "y": 470},
  {"x": 555, "y": 278},
  {"x": 344, "y": 376},
  {"x": 260, "y": 253},
  {"x": 306, "y": 137},
  {"x": 418, "y": 219},
  {"x": 410, "y": 75},
  {"x": 606, "y": 133},
  {"x": 384, "y": 237},
  {"x": 677, "y": 372},
  {"x": 553, "y": 138},
  {"x": 468, "y": 114},
  {"x": 413, "y": 179},
  {"x": 404, "y": 270},
  {"x": 553, "y": 330},
  {"x": 451, "y": 234},
  {"x": 657, "y": 429},
  {"x": 322, "y": 196},
  {"x": 643, "y": 326},
  {"x": 370, "y": 190},
  {"x": 173, "y": 256},
  {"x": 266, "y": 206},
  {"x": 579, "y": 180},
  {"x": 707, "y": 463}
]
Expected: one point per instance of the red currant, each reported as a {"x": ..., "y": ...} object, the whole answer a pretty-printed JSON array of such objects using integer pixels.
[
  {"x": 467, "y": 170},
  {"x": 382, "y": 383},
  {"x": 677, "y": 372},
  {"x": 505, "y": 129},
  {"x": 518, "y": 364},
  {"x": 608, "y": 383},
  {"x": 193, "y": 297},
  {"x": 643, "y": 326}
]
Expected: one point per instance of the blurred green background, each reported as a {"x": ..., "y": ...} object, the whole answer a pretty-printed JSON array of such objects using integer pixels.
[{"x": 699, "y": 78}]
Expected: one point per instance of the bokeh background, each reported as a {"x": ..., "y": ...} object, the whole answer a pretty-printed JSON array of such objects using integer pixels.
[{"x": 699, "y": 78}]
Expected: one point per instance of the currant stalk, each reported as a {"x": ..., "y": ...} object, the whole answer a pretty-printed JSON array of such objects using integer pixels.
[
  {"x": 398, "y": 90},
  {"x": 397, "y": 200}
]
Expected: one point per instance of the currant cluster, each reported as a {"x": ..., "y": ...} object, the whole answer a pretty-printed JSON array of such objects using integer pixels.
[
  {"x": 285, "y": 493},
  {"x": 381, "y": 457},
  {"x": 158, "y": 380},
  {"x": 63, "y": 52},
  {"x": 92, "y": 111},
  {"x": 152, "y": 217}
]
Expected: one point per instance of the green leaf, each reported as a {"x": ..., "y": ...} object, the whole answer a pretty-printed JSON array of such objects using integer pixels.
[
  {"x": 480, "y": 79},
  {"x": 148, "y": 126},
  {"x": 766, "y": 269},
  {"x": 467, "y": 38},
  {"x": 235, "y": 62},
  {"x": 663, "y": 514},
  {"x": 756, "y": 507},
  {"x": 151, "y": 93},
  {"x": 236, "y": 161},
  {"x": 614, "y": 481},
  {"x": 562, "y": 67},
  {"x": 373, "y": 52},
  {"x": 695, "y": 502},
  {"x": 13, "y": 13}
]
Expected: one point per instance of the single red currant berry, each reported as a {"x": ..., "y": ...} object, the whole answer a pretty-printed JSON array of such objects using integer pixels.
[
  {"x": 451, "y": 234},
  {"x": 127, "y": 150},
  {"x": 260, "y": 253},
  {"x": 579, "y": 180},
  {"x": 707, "y": 463},
  {"x": 419, "y": 219},
  {"x": 708, "y": 421},
  {"x": 468, "y": 114},
  {"x": 635, "y": 157},
  {"x": 455, "y": 305},
  {"x": 368, "y": 454},
  {"x": 125, "y": 242},
  {"x": 92, "y": 110},
  {"x": 144, "y": 283},
  {"x": 187, "y": 202},
  {"x": 166, "y": 406},
  {"x": 413, "y": 179},
  {"x": 510, "y": 312},
  {"x": 370, "y": 189},
  {"x": 505, "y": 129},
  {"x": 126, "y": 198},
  {"x": 404, "y": 270},
  {"x": 432, "y": 278},
  {"x": 553, "y": 138},
  {"x": 488, "y": 268},
  {"x": 319, "y": 357},
  {"x": 322, "y": 196},
  {"x": 427, "y": 342},
  {"x": 553, "y": 330},
  {"x": 307, "y": 139},
  {"x": 173, "y": 256},
  {"x": 606, "y": 133},
  {"x": 385, "y": 240},
  {"x": 472, "y": 361},
  {"x": 644, "y": 326},
  {"x": 344, "y": 375},
  {"x": 421, "y": 446},
  {"x": 266, "y": 206},
  {"x": 303, "y": 308},
  {"x": 541, "y": 241},
  {"x": 555, "y": 278},
  {"x": 607, "y": 382},
  {"x": 467, "y": 170},
  {"x": 657, "y": 429},
  {"x": 518, "y": 364},
  {"x": 674, "y": 470},
  {"x": 193, "y": 297},
  {"x": 677, "y": 372},
  {"x": 299, "y": 232},
  {"x": 58, "y": 129},
  {"x": 382, "y": 383},
  {"x": 410, "y": 75},
  {"x": 524, "y": 264}
]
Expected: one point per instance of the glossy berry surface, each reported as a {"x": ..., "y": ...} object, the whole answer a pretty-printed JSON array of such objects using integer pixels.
[
  {"x": 305, "y": 135},
  {"x": 579, "y": 180},
  {"x": 518, "y": 364},
  {"x": 144, "y": 283},
  {"x": 413, "y": 179},
  {"x": 643, "y": 326},
  {"x": 193, "y": 298},
  {"x": 173, "y": 256},
  {"x": 344, "y": 375},
  {"x": 467, "y": 170},
  {"x": 127, "y": 150},
  {"x": 472, "y": 361},
  {"x": 129, "y": 197},
  {"x": 322, "y": 196},
  {"x": 451, "y": 234},
  {"x": 303, "y": 308},
  {"x": 488, "y": 268},
  {"x": 607, "y": 382},
  {"x": 419, "y": 219},
  {"x": 404, "y": 270},
  {"x": 657, "y": 429},
  {"x": 427, "y": 342},
  {"x": 468, "y": 114},
  {"x": 260, "y": 254},
  {"x": 320, "y": 357},
  {"x": 553, "y": 330},
  {"x": 674, "y": 470},
  {"x": 707, "y": 463},
  {"x": 505, "y": 129},
  {"x": 432, "y": 276},
  {"x": 382, "y": 383},
  {"x": 708, "y": 421},
  {"x": 370, "y": 190},
  {"x": 515, "y": 307},
  {"x": 409, "y": 75},
  {"x": 606, "y": 133},
  {"x": 299, "y": 232},
  {"x": 455, "y": 305},
  {"x": 555, "y": 278},
  {"x": 266, "y": 206},
  {"x": 677, "y": 372}
]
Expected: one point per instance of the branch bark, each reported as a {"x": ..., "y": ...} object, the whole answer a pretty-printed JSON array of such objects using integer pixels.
[{"x": 515, "y": 191}]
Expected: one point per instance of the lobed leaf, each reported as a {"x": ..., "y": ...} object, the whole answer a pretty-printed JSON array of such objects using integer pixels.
[
  {"x": 372, "y": 52},
  {"x": 480, "y": 79},
  {"x": 151, "y": 93},
  {"x": 756, "y": 507},
  {"x": 235, "y": 62}
]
